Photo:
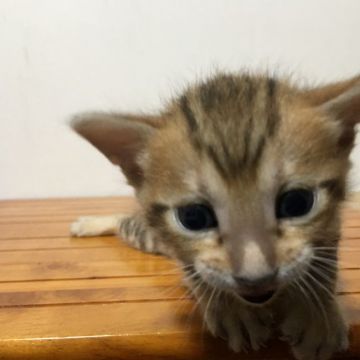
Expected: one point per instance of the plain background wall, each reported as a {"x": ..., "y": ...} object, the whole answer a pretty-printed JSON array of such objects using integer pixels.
[{"x": 61, "y": 57}]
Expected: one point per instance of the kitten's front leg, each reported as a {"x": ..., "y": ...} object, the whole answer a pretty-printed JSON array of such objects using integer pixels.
[
  {"x": 315, "y": 333},
  {"x": 243, "y": 327},
  {"x": 88, "y": 226},
  {"x": 132, "y": 229}
]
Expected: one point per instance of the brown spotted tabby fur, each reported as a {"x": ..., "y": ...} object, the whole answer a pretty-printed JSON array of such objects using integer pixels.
[{"x": 235, "y": 142}]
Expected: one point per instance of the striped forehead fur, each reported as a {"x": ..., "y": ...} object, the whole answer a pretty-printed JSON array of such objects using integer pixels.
[{"x": 230, "y": 118}]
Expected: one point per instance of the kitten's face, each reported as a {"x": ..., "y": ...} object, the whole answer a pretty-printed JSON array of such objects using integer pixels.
[
  {"x": 241, "y": 177},
  {"x": 245, "y": 186}
]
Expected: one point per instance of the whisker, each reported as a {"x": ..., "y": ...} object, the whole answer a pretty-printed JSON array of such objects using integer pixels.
[
  {"x": 167, "y": 292},
  {"x": 191, "y": 276},
  {"x": 317, "y": 300},
  {"x": 322, "y": 272},
  {"x": 186, "y": 278},
  {"x": 182, "y": 303},
  {"x": 340, "y": 248},
  {"x": 207, "y": 308},
  {"x": 194, "y": 291},
  {"x": 201, "y": 298},
  {"x": 177, "y": 270},
  {"x": 333, "y": 270},
  {"x": 190, "y": 290},
  {"x": 168, "y": 272},
  {"x": 190, "y": 287},
  {"x": 331, "y": 262},
  {"x": 303, "y": 291},
  {"x": 197, "y": 286},
  {"x": 326, "y": 252},
  {"x": 200, "y": 301},
  {"x": 325, "y": 260},
  {"x": 186, "y": 267},
  {"x": 327, "y": 291},
  {"x": 217, "y": 298}
]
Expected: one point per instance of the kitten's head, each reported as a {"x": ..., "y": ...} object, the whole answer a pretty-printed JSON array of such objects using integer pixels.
[{"x": 242, "y": 176}]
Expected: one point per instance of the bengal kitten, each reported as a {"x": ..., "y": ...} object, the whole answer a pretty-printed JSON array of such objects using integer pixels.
[{"x": 241, "y": 179}]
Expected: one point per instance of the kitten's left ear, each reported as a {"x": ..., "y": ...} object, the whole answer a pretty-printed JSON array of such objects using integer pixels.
[
  {"x": 121, "y": 138},
  {"x": 341, "y": 101}
]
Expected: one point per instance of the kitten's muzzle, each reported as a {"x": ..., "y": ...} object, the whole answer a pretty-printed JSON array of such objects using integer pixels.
[{"x": 257, "y": 290}]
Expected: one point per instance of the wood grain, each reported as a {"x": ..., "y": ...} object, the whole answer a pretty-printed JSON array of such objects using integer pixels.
[{"x": 96, "y": 298}]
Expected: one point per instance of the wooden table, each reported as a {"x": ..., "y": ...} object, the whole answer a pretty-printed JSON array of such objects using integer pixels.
[{"x": 68, "y": 298}]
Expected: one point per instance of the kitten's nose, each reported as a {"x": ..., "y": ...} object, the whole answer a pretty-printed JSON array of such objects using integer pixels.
[
  {"x": 267, "y": 280},
  {"x": 257, "y": 290}
]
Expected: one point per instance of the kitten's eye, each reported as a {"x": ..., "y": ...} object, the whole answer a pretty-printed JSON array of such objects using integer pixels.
[
  {"x": 196, "y": 217},
  {"x": 294, "y": 203}
]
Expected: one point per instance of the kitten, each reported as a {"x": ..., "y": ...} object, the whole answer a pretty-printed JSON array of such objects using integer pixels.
[{"x": 241, "y": 179}]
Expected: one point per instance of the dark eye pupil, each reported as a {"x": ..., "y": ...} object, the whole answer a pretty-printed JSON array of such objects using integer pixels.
[
  {"x": 294, "y": 203},
  {"x": 196, "y": 217}
]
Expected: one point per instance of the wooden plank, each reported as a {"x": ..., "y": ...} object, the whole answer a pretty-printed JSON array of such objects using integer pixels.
[
  {"x": 172, "y": 346},
  {"x": 119, "y": 253},
  {"x": 172, "y": 279},
  {"x": 58, "y": 243},
  {"x": 51, "y": 218},
  {"x": 56, "y": 270},
  {"x": 349, "y": 259},
  {"x": 127, "y": 325},
  {"x": 93, "y": 320},
  {"x": 349, "y": 281},
  {"x": 68, "y": 214},
  {"x": 352, "y": 221},
  {"x": 32, "y": 230},
  {"x": 101, "y": 291},
  {"x": 348, "y": 244},
  {"x": 351, "y": 233}
]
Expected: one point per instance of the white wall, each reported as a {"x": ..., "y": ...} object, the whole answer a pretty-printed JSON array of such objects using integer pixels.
[{"x": 61, "y": 57}]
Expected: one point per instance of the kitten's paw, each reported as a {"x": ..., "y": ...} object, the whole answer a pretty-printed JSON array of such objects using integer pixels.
[
  {"x": 316, "y": 346},
  {"x": 312, "y": 341},
  {"x": 242, "y": 328},
  {"x": 86, "y": 226}
]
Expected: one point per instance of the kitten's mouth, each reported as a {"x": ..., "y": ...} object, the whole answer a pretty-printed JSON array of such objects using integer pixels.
[{"x": 260, "y": 298}]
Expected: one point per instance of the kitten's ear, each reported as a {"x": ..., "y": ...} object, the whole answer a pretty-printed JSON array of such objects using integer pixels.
[
  {"x": 342, "y": 101},
  {"x": 121, "y": 138}
]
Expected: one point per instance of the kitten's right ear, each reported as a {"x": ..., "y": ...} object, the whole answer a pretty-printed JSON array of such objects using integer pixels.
[
  {"x": 341, "y": 100},
  {"x": 121, "y": 138},
  {"x": 322, "y": 94}
]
